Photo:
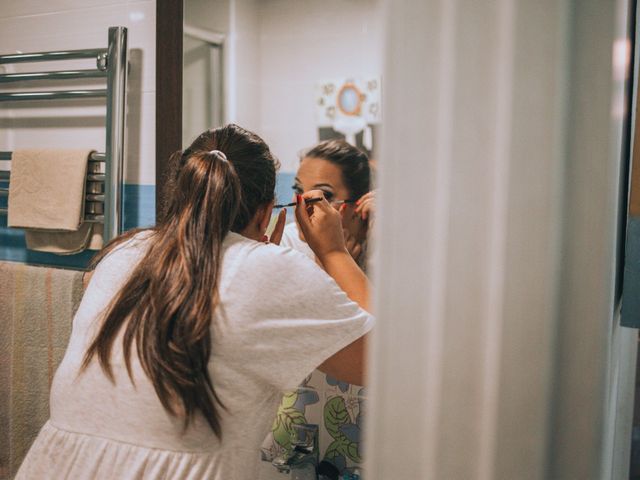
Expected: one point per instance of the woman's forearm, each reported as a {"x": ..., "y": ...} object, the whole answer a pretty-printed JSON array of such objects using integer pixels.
[{"x": 345, "y": 271}]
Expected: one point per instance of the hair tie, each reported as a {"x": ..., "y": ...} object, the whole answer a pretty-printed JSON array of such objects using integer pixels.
[{"x": 220, "y": 155}]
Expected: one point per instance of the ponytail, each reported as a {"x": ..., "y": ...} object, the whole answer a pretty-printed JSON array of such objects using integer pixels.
[{"x": 166, "y": 306}]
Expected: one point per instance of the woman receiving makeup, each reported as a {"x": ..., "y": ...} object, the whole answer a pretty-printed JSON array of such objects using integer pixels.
[{"x": 342, "y": 173}]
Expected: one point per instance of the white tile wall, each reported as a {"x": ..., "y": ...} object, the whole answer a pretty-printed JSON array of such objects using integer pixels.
[
  {"x": 210, "y": 15},
  {"x": 246, "y": 39},
  {"x": 33, "y": 25},
  {"x": 302, "y": 42},
  {"x": 36, "y": 7},
  {"x": 238, "y": 21},
  {"x": 277, "y": 50}
]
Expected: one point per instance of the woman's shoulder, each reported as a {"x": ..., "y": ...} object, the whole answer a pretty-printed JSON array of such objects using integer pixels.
[
  {"x": 134, "y": 246},
  {"x": 265, "y": 260},
  {"x": 260, "y": 253}
]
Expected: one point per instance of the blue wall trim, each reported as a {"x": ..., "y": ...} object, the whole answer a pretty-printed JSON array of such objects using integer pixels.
[
  {"x": 139, "y": 206},
  {"x": 284, "y": 191},
  {"x": 139, "y": 211},
  {"x": 284, "y": 184}
]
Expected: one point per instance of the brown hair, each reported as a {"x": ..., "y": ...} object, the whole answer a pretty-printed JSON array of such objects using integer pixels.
[
  {"x": 353, "y": 163},
  {"x": 166, "y": 306}
]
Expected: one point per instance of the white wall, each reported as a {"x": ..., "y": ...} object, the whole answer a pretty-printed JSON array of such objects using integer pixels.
[
  {"x": 33, "y": 25},
  {"x": 245, "y": 78},
  {"x": 301, "y": 43},
  {"x": 212, "y": 15},
  {"x": 237, "y": 21},
  {"x": 276, "y": 51}
]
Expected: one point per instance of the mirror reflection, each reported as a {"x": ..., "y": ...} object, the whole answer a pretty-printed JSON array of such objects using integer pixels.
[{"x": 305, "y": 76}]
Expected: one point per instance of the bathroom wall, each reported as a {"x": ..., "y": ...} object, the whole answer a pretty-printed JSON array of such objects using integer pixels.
[
  {"x": 301, "y": 43},
  {"x": 75, "y": 24},
  {"x": 203, "y": 66},
  {"x": 237, "y": 21},
  {"x": 213, "y": 15},
  {"x": 245, "y": 76}
]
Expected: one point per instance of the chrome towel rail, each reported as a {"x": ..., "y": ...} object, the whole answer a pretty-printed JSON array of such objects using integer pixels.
[
  {"x": 116, "y": 102},
  {"x": 18, "y": 96},
  {"x": 105, "y": 201},
  {"x": 59, "y": 75},
  {"x": 57, "y": 55}
]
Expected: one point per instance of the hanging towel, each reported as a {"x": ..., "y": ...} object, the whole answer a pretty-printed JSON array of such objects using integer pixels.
[
  {"x": 88, "y": 237},
  {"x": 37, "y": 306},
  {"x": 46, "y": 198},
  {"x": 62, "y": 243}
]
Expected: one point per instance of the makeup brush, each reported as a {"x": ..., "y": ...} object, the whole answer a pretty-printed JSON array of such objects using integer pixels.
[{"x": 314, "y": 200}]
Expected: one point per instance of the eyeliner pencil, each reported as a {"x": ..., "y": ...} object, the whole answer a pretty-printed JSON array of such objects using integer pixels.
[{"x": 313, "y": 200}]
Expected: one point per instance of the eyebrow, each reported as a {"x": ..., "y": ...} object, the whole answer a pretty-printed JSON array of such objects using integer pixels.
[{"x": 327, "y": 185}]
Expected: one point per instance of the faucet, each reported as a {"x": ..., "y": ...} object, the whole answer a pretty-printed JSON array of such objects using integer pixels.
[{"x": 301, "y": 460}]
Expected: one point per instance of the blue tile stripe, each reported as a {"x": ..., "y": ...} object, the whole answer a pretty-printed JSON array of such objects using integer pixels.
[
  {"x": 284, "y": 190},
  {"x": 284, "y": 184},
  {"x": 139, "y": 211},
  {"x": 139, "y": 206}
]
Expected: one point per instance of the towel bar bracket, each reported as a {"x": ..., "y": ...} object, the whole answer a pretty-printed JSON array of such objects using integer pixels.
[{"x": 102, "y": 61}]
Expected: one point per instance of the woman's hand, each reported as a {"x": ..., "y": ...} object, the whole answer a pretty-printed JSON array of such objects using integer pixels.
[
  {"x": 354, "y": 247},
  {"x": 278, "y": 230},
  {"x": 321, "y": 225},
  {"x": 365, "y": 206}
]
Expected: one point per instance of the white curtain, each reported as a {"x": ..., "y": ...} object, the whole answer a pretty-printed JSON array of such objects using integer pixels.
[{"x": 495, "y": 353}]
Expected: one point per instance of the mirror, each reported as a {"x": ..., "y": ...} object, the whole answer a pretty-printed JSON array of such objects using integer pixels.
[
  {"x": 296, "y": 73},
  {"x": 350, "y": 100},
  {"x": 202, "y": 81}
]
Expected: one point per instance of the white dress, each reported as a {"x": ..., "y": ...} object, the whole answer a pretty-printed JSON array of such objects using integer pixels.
[
  {"x": 279, "y": 317},
  {"x": 291, "y": 239}
]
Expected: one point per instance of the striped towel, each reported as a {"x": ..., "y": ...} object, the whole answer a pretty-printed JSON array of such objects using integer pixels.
[{"x": 36, "y": 311}]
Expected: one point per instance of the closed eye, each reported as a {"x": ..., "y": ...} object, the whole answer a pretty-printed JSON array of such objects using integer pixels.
[{"x": 328, "y": 195}]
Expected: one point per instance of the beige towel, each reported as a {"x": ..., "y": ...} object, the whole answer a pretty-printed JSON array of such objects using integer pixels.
[
  {"x": 36, "y": 311},
  {"x": 88, "y": 237},
  {"x": 46, "y": 198}
]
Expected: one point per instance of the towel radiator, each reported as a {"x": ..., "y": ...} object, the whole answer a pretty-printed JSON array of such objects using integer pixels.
[{"x": 104, "y": 185}]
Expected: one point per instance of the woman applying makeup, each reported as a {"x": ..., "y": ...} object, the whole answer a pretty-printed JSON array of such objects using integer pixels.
[
  {"x": 342, "y": 173},
  {"x": 175, "y": 365}
]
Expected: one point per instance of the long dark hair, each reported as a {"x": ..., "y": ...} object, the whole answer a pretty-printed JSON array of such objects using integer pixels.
[
  {"x": 166, "y": 306},
  {"x": 354, "y": 164}
]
